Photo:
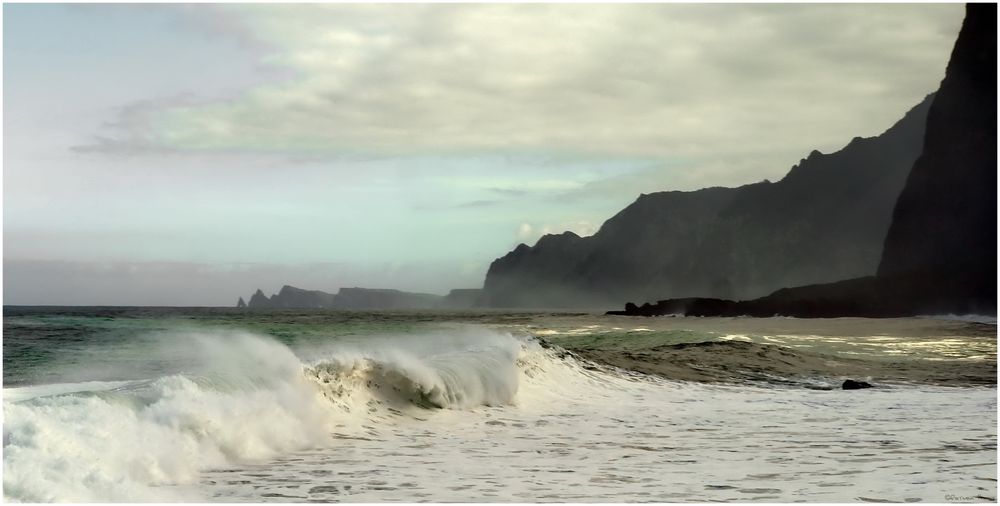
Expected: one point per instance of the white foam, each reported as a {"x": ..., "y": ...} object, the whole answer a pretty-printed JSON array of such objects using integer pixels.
[
  {"x": 247, "y": 398},
  {"x": 582, "y": 435},
  {"x": 435, "y": 370},
  {"x": 85, "y": 444},
  {"x": 18, "y": 394},
  {"x": 971, "y": 318},
  {"x": 523, "y": 423}
]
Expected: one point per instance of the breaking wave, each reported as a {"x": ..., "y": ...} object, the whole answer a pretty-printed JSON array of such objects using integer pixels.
[{"x": 245, "y": 398}]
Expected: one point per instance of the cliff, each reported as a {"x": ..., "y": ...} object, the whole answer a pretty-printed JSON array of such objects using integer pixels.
[
  {"x": 940, "y": 249},
  {"x": 825, "y": 220},
  {"x": 945, "y": 220}
]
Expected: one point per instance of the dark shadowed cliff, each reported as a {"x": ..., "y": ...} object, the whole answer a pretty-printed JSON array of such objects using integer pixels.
[
  {"x": 825, "y": 220},
  {"x": 945, "y": 219},
  {"x": 940, "y": 251}
]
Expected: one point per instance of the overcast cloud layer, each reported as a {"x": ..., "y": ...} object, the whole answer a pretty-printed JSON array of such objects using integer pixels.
[
  {"x": 667, "y": 81},
  {"x": 413, "y": 136}
]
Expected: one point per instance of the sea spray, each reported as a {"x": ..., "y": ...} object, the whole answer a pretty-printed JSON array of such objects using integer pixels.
[
  {"x": 116, "y": 445},
  {"x": 425, "y": 371},
  {"x": 241, "y": 397},
  {"x": 573, "y": 431}
]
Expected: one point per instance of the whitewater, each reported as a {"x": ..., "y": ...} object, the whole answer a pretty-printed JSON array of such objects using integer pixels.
[{"x": 469, "y": 413}]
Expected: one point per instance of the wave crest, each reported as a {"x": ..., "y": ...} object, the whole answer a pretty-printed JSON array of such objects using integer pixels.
[
  {"x": 485, "y": 374},
  {"x": 245, "y": 397}
]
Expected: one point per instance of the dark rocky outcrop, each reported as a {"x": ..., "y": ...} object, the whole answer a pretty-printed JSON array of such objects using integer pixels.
[
  {"x": 940, "y": 251},
  {"x": 868, "y": 297},
  {"x": 825, "y": 220},
  {"x": 241, "y": 304},
  {"x": 855, "y": 385}
]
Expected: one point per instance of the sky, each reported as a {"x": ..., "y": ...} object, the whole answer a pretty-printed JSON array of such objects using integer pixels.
[{"x": 190, "y": 154}]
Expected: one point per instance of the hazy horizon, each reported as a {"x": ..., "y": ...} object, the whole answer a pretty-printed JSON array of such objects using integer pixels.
[{"x": 190, "y": 154}]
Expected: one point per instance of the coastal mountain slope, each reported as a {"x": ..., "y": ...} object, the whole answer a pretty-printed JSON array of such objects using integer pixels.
[
  {"x": 940, "y": 251},
  {"x": 825, "y": 220}
]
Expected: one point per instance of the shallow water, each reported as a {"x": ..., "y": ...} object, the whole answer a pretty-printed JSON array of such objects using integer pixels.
[
  {"x": 207, "y": 406},
  {"x": 664, "y": 443}
]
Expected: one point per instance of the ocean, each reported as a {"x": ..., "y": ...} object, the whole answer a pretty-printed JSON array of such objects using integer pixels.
[{"x": 206, "y": 405}]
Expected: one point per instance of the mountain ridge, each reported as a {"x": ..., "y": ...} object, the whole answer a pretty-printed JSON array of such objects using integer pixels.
[
  {"x": 824, "y": 220},
  {"x": 940, "y": 251}
]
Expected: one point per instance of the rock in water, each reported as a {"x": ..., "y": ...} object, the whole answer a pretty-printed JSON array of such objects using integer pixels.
[{"x": 855, "y": 385}]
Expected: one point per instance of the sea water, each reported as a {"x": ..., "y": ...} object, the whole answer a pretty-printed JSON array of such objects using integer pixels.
[{"x": 214, "y": 405}]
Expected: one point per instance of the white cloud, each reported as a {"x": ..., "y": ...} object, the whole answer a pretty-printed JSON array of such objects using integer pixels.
[
  {"x": 526, "y": 232},
  {"x": 529, "y": 234},
  {"x": 767, "y": 82}
]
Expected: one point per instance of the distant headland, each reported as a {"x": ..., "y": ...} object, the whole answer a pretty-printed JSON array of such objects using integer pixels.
[{"x": 290, "y": 297}]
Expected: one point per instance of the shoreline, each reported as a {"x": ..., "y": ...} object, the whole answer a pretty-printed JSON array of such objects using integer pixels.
[{"x": 775, "y": 365}]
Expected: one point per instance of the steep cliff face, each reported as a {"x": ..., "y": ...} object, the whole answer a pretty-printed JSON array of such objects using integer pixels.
[
  {"x": 940, "y": 251},
  {"x": 945, "y": 220},
  {"x": 825, "y": 220}
]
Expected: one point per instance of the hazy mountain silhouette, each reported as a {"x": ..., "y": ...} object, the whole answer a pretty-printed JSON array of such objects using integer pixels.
[
  {"x": 825, "y": 220},
  {"x": 290, "y": 297}
]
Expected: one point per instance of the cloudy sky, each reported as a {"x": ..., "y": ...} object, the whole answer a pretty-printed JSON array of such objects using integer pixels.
[{"x": 188, "y": 154}]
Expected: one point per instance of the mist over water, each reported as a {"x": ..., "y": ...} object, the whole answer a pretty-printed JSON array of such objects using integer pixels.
[
  {"x": 287, "y": 406},
  {"x": 240, "y": 397}
]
